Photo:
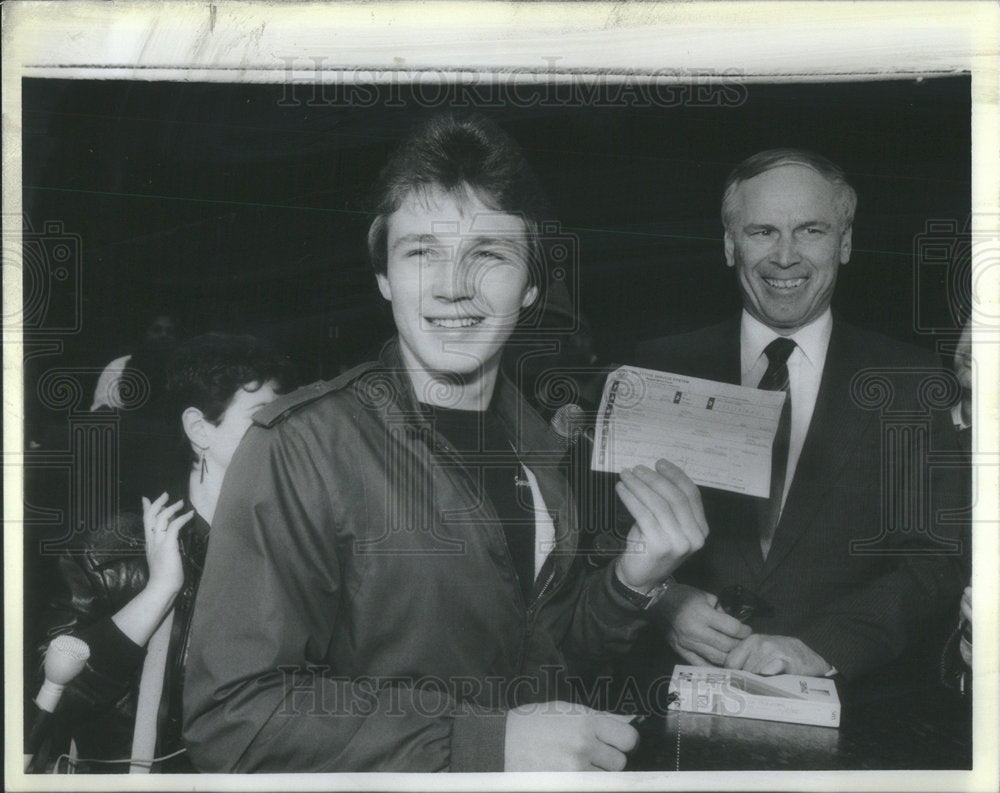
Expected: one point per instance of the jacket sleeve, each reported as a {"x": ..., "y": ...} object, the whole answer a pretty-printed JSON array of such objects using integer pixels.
[
  {"x": 605, "y": 624},
  {"x": 924, "y": 577},
  {"x": 94, "y": 581},
  {"x": 259, "y": 694}
]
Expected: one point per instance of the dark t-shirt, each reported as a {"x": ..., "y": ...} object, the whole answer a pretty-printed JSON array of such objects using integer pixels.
[{"x": 485, "y": 449}]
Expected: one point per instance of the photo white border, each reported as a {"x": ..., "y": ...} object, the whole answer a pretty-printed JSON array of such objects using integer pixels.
[{"x": 232, "y": 41}]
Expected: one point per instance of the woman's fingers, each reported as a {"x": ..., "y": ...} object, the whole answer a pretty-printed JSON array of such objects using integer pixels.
[
  {"x": 156, "y": 520},
  {"x": 178, "y": 522},
  {"x": 150, "y": 509}
]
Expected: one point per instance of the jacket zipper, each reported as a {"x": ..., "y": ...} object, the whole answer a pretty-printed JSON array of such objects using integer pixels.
[
  {"x": 491, "y": 510},
  {"x": 542, "y": 591},
  {"x": 527, "y": 609}
]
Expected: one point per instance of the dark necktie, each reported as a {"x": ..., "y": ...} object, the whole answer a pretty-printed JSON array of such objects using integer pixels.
[{"x": 776, "y": 379}]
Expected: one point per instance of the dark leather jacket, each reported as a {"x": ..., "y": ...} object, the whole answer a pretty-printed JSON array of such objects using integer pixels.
[
  {"x": 360, "y": 610},
  {"x": 96, "y": 577}
]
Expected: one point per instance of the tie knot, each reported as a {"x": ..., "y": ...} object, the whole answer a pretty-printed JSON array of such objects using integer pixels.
[{"x": 777, "y": 351}]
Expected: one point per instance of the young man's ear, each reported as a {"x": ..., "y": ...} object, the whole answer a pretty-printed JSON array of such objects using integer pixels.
[
  {"x": 530, "y": 296},
  {"x": 196, "y": 427},
  {"x": 383, "y": 286},
  {"x": 730, "y": 247}
]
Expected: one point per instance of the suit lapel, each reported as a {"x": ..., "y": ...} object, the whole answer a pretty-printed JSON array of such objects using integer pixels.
[
  {"x": 836, "y": 425},
  {"x": 724, "y": 366}
]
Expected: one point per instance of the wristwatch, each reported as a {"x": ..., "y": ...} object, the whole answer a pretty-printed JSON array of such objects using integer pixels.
[{"x": 641, "y": 600}]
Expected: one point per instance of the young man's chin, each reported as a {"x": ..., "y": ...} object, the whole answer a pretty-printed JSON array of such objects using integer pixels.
[{"x": 459, "y": 372}]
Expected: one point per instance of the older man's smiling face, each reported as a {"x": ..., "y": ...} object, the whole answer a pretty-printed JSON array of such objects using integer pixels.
[{"x": 787, "y": 239}]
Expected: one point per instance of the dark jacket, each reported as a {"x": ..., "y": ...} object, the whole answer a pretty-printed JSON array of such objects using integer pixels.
[
  {"x": 869, "y": 548},
  {"x": 360, "y": 611},
  {"x": 97, "y": 577}
]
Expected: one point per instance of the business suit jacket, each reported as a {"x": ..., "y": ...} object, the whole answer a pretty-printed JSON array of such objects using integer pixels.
[{"x": 868, "y": 549}]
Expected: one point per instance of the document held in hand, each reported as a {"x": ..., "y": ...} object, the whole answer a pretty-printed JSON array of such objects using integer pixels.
[
  {"x": 732, "y": 692},
  {"x": 720, "y": 434}
]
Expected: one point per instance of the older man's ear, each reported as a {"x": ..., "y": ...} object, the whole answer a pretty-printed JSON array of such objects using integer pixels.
[{"x": 845, "y": 245}]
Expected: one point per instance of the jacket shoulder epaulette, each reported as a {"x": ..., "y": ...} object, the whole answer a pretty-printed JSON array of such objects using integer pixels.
[{"x": 283, "y": 406}]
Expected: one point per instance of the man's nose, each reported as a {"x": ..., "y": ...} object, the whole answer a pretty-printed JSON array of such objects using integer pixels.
[
  {"x": 785, "y": 252},
  {"x": 452, "y": 278}
]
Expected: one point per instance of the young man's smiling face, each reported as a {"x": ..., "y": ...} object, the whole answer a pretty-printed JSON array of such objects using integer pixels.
[
  {"x": 457, "y": 276},
  {"x": 787, "y": 238}
]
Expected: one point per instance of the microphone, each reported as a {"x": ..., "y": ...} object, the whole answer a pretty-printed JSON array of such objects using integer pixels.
[
  {"x": 64, "y": 660},
  {"x": 593, "y": 493},
  {"x": 569, "y": 422}
]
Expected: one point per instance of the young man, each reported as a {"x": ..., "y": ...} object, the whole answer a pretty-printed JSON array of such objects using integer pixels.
[{"x": 392, "y": 581}]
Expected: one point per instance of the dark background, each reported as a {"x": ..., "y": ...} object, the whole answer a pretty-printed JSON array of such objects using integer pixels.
[{"x": 243, "y": 208}]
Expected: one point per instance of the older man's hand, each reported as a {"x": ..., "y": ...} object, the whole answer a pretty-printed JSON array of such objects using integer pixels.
[
  {"x": 697, "y": 630},
  {"x": 776, "y": 655}
]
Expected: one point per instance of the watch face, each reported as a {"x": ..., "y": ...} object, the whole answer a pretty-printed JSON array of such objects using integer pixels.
[
  {"x": 642, "y": 601},
  {"x": 660, "y": 591}
]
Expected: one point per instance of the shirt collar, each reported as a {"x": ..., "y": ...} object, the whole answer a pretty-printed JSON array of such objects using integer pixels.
[{"x": 812, "y": 339}]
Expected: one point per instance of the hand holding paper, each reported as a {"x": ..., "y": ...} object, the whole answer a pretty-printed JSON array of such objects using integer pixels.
[{"x": 669, "y": 523}]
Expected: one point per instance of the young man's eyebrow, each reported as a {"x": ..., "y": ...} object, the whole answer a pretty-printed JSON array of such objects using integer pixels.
[
  {"x": 506, "y": 241},
  {"x": 409, "y": 239}
]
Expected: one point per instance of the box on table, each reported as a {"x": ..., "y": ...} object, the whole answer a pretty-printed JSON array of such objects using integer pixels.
[{"x": 731, "y": 692}]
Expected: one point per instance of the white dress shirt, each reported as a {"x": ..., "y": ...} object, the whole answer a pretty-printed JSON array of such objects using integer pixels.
[{"x": 805, "y": 370}]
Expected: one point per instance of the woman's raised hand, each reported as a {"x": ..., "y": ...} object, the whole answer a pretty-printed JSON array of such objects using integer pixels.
[{"x": 166, "y": 572}]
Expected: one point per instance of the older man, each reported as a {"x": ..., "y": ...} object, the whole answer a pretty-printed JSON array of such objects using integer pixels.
[{"x": 853, "y": 554}]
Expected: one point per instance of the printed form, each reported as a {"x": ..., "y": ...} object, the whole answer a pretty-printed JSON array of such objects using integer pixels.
[{"x": 720, "y": 434}]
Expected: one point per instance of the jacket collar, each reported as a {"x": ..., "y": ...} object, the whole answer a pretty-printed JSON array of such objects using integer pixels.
[
  {"x": 532, "y": 435},
  {"x": 536, "y": 444}
]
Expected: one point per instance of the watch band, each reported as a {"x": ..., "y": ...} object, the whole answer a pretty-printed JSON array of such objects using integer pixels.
[{"x": 641, "y": 600}]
